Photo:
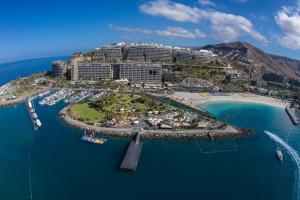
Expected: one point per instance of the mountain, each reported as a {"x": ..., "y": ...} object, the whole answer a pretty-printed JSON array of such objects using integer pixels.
[{"x": 245, "y": 54}]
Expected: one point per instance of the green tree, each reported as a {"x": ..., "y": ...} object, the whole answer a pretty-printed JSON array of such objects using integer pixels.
[{"x": 98, "y": 105}]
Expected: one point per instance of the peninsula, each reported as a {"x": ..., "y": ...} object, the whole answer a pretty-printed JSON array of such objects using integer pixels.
[{"x": 122, "y": 87}]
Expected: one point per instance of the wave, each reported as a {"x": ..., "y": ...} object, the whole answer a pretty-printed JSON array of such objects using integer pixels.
[{"x": 294, "y": 155}]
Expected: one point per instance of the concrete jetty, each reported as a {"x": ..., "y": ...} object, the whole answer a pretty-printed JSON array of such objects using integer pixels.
[
  {"x": 291, "y": 114},
  {"x": 133, "y": 153}
]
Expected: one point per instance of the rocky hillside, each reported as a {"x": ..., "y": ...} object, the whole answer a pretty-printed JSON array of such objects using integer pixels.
[{"x": 248, "y": 55}]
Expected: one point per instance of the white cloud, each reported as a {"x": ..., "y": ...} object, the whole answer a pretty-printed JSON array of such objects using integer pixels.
[
  {"x": 130, "y": 30},
  {"x": 225, "y": 26},
  {"x": 179, "y": 32},
  {"x": 169, "y": 32},
  {"x": 228, "y": 27},
  {"x": 288, "y": 19},
  {"x": 207, "y": 3},
  {"x": 225, "y": 33},
  {"x": 171, "y": 10},
  {"x": 199, "y": 34}
]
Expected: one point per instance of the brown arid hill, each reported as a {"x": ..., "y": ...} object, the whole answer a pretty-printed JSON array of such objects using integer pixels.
[{"x": 248, "y": 55}]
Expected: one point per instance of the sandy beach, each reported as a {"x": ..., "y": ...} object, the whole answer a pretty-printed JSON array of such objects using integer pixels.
[{"x": 197, "y": 99}]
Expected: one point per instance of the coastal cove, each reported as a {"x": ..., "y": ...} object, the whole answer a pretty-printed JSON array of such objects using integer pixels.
[
  {"x": 62, "y": 167},
  {"x": 250, "y": 159},
  {"x": 150, "y": 100}
]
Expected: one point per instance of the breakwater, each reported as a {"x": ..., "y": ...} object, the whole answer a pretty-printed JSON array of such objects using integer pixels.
[
  {"x": 291, "y": 114},
  {"x": 186, "y": 134}
]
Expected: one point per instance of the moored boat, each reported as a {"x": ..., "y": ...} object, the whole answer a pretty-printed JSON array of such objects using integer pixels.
[
  {"x": 38, "y": 123},
  {"x": 93, "y": 139},
  {"x": 33, "y": 116}
]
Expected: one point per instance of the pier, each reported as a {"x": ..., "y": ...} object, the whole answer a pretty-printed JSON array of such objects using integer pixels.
[
  {"x": 133, "y": 153},
  {"x": 291, "y": 114}
]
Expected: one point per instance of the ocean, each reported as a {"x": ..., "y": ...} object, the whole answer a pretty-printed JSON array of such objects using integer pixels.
[{"x": 53, "y": 163}]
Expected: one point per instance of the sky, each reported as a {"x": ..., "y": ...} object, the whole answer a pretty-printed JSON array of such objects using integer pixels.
[{"x": 35, "y": 28}]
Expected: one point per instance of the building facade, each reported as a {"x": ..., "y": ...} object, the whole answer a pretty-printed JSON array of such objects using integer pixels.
[
  {"x": 73, "y": 62},
  {"x": 138, "y": 63},
  {"x": 93, "y": 71},
  {"x": 148, "y": 73},
  {"x": 193, "y": 56},
  {"x": 111, "y": 53},
  {"x": 140, "y": 73},
  {"x": 59, "y": 69},
  {"x": 149, "y": 53}
]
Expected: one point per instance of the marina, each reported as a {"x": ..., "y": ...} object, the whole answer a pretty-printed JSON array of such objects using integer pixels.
[
  {"x": 68, "y": 96},
  {"x": 56, "y": 97},
  {"x": 44, "y": 93},
  {"x": 76, "y": 98}
]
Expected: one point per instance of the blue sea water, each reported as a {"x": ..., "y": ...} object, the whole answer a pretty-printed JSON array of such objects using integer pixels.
[
  {"x": 62, "y": 167},
  {"x": 10, "y": 71}
]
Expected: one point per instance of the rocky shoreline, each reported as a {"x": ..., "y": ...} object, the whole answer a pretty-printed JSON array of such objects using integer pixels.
[{"x": 229, "y": 132}]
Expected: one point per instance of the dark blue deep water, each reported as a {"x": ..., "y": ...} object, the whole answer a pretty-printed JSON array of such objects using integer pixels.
[
  {"x": 64, "y": 168},
  {"x": 10, "y": 71}
]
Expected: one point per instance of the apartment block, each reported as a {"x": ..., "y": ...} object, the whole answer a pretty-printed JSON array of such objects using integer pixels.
[
  {"x": 140, "y": 73},
  {"x": 59, "y": 69},
  {"x": 93, "y": 71}
]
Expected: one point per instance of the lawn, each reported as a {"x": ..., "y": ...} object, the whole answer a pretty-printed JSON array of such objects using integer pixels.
[
  {"x": 84, "y": 112},
  {"x": 113, "y": 103},
  {"x": 110, "y": 106}
]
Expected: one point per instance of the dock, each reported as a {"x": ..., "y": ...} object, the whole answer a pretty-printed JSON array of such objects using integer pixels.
[
  {"x": 132, "y": 155},
  {"x": 291, "y": 114}
]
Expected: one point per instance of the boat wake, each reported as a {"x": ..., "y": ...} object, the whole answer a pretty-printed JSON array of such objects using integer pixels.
[
  {"x": 29, "y": 175},
  {"x": 294, "y": 155}
]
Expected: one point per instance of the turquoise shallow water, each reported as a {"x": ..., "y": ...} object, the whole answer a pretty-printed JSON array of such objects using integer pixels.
[{"x": 63, "y": 167}]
